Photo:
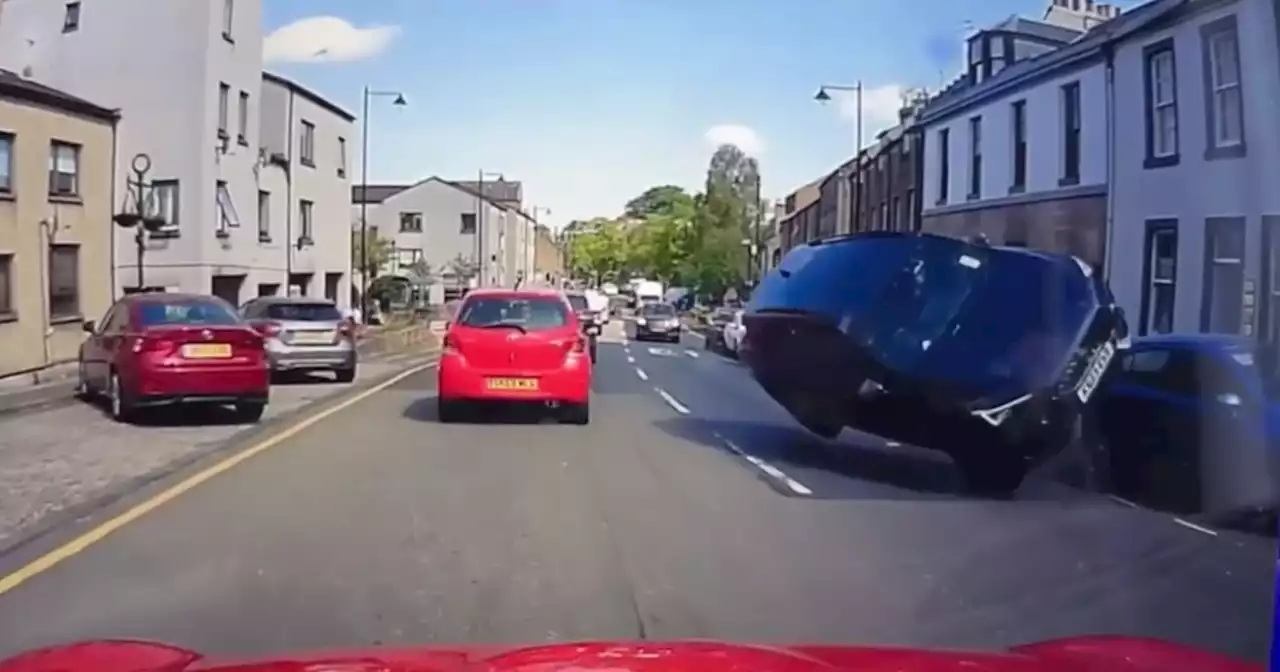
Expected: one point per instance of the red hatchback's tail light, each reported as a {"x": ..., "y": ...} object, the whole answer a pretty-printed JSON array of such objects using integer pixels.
[
  {"x": 449, "y": 345},
  {"x": 578, "y": 346}
]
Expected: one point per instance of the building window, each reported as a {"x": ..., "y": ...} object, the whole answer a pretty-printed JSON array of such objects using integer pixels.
[
  {"x": 944, "y": 164},
  {"x": 264, "y": 216},
  {"x": 307, "y": 144},
  {"x": 164, "y": 203},
  {"x": 911, "y": 210},
  {"x": 1070, "y": 134},
  {"x": 975, "y": 157},
  {"x": 1270, "y": 336},
  {"x": 468, "y": 222},
  {"x": 71, "y": 19},
  {"x": 6, "y": 286},
  {"x": 6, "y": 163},
  {"x": 1160, "y": 276},
  {"x": 64, "y": 282},
  {"x": 224, "y": 101},
  {"x": 1018, "y": 113},
  {"x": 64, "y": 169},
  {"x": 1224, "y": 109},
  {"x": 227, "y": 216},
  {"x": 342, "y": 157},
  {"x": 411, "y": 222},
  {"x": 242, "y": 132},
  {"x": 1160, "y": 72},
  {"x": 406, "y": 258},
  {"x": 228, "y": 18},
  {"x": 1222, "y": 302},
  {"x": 305, "y": 221}
]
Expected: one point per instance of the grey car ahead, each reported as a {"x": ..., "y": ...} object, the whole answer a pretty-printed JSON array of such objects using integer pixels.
[{"x": 304, "y": 335}]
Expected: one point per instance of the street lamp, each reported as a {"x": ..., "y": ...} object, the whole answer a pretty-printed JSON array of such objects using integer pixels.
[
  {"x": 140, "y": 220},
  {"x": 398, "y": 101},
  {"x": 824, "y": 98},
  {"x": 482, "y": 259}
]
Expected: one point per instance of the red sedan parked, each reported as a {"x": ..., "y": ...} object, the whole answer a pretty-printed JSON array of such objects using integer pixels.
[
  {"x": 515, "y": 346},
  {"x": 154, "y": 350}
]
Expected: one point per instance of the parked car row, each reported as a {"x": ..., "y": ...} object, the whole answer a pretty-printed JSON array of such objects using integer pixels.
[{"x": 162, "y": 350}]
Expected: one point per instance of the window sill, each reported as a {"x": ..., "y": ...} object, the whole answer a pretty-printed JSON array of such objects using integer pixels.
[
  {"x": 1237, "y": 151},
  {"x": 940, "y": 202},
  {"x": 263, "y": 238},
  {"x": 305, "y": 242},
  {"x": 973, "y": 197},
  {"x": 242, "y": 141},
  {"x": 1152, "y": 162},
  {"x": 309, "y": 163},
  {"x": 67, "y": 199},
  {"x": 60, "y": 320},
  {"x": 228, "y": 39},
  {"x": 163, "y": 235},
  {"x": 6, "y": 318},
  {"x": 8, "y": 196},
  {"x": 1072, "y": 181},
  {"x": 222, "y": 234},
  {"x": 342, "y": 173},
  {"x": 1016, "y": 189}
]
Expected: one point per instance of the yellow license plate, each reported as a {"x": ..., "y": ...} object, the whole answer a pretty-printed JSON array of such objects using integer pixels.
[
  {"x": 207, "y": 351},
  {"x": 519, "y": 384}
]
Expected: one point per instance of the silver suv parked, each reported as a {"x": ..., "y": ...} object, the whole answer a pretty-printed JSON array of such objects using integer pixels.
[{"x": 304, "y": 335}]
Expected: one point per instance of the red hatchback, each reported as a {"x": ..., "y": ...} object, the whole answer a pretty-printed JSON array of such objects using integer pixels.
[
  {"x": 167, "y": 349},
  {"x": 515, "y": 346}
]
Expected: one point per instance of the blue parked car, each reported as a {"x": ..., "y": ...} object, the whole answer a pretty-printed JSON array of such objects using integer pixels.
[{"x": 1192, "y": 425}]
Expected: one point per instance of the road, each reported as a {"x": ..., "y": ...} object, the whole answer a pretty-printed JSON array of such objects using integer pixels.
[{"x": 691, "y": 507}]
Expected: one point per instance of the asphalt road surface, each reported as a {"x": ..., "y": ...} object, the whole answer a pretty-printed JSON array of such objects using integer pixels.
[{"x": 691, "y": 507}]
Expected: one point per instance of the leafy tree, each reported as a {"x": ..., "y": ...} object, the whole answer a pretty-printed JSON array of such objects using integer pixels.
[
  {"x": 463, "y": 268},
  {"x": 380, "y": 253},
  {"x": 598, "y": 250},
  {"x": 662, "y": 200}
]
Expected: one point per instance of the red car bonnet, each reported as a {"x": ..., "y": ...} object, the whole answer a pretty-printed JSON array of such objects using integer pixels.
[{"x": 1083, "y": 654}]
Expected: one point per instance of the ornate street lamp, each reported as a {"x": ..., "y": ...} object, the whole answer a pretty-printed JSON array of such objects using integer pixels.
[{"x": 141, "y": 220}]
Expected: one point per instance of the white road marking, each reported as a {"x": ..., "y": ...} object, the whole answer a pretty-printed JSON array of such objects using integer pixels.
[
  {"x": 1122, "y": 501},
  {"x": 772, "y": 471},
  {"x": 1197, "y": 528},
  {"x": 691, "y": 354},
  {"x": 631, "y": 360},
  {"x": 672, "y": 401},
  {"x": 661, "y": 352},
  {"x": 640, "y": 372}
]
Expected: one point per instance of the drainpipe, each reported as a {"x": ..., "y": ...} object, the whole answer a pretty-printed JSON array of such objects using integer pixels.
[
  {"x": 288, "y": 202},
  {"x": 111, "y": 240},
  {"x": 1110, "y": 112}
]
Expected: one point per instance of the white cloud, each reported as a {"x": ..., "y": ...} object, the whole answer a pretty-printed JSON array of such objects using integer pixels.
[
  {"x": 738, "y": 135},
  {"x": 317, "y": 39}
]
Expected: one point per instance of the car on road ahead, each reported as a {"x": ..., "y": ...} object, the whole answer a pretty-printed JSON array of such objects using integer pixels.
[
  {"x": 988, "y": 354},
  {"x": 657, "y": 321},
  {"x": 304, "y": 334},
  {"x": 515, "y": 346},
  {"x": 587, "y": 318},
  {"x": 154, "y": 350}
]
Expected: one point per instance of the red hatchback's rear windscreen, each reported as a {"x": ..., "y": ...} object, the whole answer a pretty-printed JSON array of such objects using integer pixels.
[{"x": 524, "y": 312}]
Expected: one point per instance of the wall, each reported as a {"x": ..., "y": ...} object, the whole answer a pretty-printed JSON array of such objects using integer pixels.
[{"x": 87, "y": 223}]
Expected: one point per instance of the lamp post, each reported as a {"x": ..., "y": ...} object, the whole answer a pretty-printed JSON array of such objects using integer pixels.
[
  {"x": 398, "y": 101},
  {"x": 141, "y": 221},
  {"x": 823, "y": 97},
  {"x": 482, "y": 257}
]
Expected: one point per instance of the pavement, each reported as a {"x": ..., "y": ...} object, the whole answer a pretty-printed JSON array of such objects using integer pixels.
[{"x": 691, "y": 507}]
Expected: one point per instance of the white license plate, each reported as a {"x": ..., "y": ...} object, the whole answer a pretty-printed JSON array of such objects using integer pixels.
[
  {"x": 1097, "y": 368},
  {"x": 313, "y": 337}
]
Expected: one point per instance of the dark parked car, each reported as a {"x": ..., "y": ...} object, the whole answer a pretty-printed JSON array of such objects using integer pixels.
[
  {"x": 988, "y": 354},
  {"x": 1192, "y": 426}
]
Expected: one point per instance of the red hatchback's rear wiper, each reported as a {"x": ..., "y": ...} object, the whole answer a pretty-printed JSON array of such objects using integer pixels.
[{"x": 504, "y": 325}]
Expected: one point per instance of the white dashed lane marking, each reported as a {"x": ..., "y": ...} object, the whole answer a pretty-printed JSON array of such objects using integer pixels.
[
  {"x": 691, "y": 354},
  {"x": 1190, "y": 525},
  {"x": 672, "y": 401},
  {"x": 631, "y": 360},
  {"x": 771, "y": 471},
  {"x": 642, "y": 374}
]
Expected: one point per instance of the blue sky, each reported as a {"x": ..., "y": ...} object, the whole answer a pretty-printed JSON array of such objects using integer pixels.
[{"x": 588, "y": 102}]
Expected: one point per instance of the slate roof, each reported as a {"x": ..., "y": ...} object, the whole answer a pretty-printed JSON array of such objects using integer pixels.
[
  {"x": 15, "y": 87},
  {"x": 498, "y": 193}
]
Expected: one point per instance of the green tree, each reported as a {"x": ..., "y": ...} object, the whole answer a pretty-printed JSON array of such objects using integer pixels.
[
  {"x": 661, "y": 200},
  {"x": 598, "y": 250},
  {"x": 380, "y": 253}
]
